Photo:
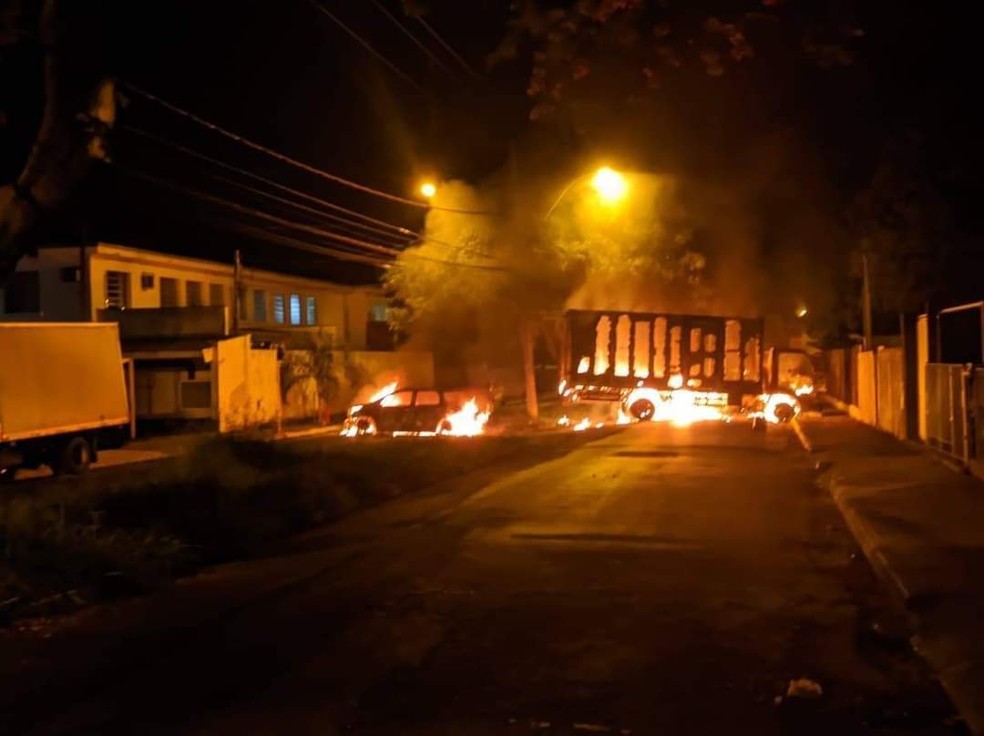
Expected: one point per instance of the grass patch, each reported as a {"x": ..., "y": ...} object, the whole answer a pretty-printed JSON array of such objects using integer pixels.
[{"x": 68, "y": 542}]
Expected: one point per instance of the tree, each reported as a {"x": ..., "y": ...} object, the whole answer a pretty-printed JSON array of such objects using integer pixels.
[
  {"x": 903, "y": 227},
  {"x": 79, "y": 107}
]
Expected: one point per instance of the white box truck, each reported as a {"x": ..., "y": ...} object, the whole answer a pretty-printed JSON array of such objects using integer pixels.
[{"x": 63, "y": 395}]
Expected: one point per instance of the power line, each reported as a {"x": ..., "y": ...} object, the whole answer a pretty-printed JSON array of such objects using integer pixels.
[
  {"x": 407, "y": 32},
  {"x": 340, "y": 221},
  {"x": 365, "y": 44},
  {"x": 447, "y": 47},
  {"x": 259, "y": 232},
  {"x": 287, "y": 159},
  {"x": 256, "y": 177},
  {"x": 419, "y": 237},
  {"x": 392, "y": 252}
]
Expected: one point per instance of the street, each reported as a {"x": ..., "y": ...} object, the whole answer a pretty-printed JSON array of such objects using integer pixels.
[{"x": 659, "y": 580}]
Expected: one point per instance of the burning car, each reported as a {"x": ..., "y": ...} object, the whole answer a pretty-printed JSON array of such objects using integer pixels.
[{"x": 417, "y": 411}]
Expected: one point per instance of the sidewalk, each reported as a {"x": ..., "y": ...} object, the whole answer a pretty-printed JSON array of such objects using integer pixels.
[{"x": 921, "y": 524}]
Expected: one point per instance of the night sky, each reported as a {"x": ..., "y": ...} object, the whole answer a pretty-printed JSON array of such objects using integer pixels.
[{"x": 283, "y": 74}]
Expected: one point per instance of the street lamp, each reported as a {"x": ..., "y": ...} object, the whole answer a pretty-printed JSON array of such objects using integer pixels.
[
  {"x": 428, "y": 189},
  {"x": 610, "y": 185}
]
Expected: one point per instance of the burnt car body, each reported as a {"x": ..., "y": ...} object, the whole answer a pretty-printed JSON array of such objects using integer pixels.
[{"x": 405, "y": 410}]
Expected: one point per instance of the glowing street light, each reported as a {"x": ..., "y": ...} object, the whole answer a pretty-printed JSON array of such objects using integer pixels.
[
  {"x": 802, "y": 312},
  {"x": 610, "y": 185},
  {"x": 428, "y": 189}
]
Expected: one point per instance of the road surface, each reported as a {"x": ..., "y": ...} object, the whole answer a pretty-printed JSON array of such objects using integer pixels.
[{"x": 657, "y": 581}]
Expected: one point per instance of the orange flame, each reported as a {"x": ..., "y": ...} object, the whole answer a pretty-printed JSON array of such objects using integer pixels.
[
  {"x": 468, "y": 421},
  {"x": 383, "y": 392},
  {"x": 681, "y": 408}
]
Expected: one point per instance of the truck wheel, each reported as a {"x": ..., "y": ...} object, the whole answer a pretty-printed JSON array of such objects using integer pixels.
[
  {"x": 642, "y": 410},
  {"x": 74, "y": 457}
]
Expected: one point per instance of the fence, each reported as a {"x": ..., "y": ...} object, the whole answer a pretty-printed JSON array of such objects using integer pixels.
[
  {"x": 872, "y": 384},
  {"x": 977, "y": 420},
  {"x": 890, "y": 391},
  {"x": 947, "y": 398},
  {"x": 946, "y": 409}
]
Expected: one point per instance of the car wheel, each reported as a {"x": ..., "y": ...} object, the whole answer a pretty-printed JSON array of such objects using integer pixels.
[
  {"x": 74, "y": 457},
  {"x": 366, "y": 426},
  {"x": 642, "y": 410},
  {"x": 443, "y": 427}
]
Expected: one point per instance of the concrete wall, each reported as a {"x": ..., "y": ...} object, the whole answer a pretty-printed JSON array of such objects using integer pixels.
[
  {"x": 59, "y": 286},
  {"x": 248, "y": 385},
  {"x": 168, "y": 323},
  {"x": 301, "y": 401}
]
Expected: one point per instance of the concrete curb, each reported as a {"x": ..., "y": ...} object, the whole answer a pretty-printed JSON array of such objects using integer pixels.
[{"x": 963, "y": 692}]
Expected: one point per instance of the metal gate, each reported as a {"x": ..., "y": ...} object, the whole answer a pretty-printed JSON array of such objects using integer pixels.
[{"x": 946, "y": 409}]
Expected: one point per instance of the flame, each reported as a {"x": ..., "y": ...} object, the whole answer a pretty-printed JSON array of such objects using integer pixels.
[
  {"x": 681, "y": 407},
  {"x": 564, "y": 421},
  {"x": 582, "y": 425},
  {"x": 771, "y": 402},
  {"x": 383, "y": 392},
  {"x": 623, "y": 418},
  {"x": 804, "y": 390},
  {"x": 468, "y": 421},
  {"x": 584, "y": 364}
]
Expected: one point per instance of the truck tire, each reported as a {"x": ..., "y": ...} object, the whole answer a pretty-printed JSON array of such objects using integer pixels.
[
  {"x": 74, "y": 457},
  {"x": 642, "y": 409}
]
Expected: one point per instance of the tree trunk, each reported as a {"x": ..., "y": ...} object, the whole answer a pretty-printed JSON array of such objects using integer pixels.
[
  {"x": 528, "y": 339},
  {"x": 64, "y": 144}
]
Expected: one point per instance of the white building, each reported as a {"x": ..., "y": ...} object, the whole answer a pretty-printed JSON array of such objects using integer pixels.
[
  {"x": 69, "y": 284},
  {"x": 176, "y": 315}
]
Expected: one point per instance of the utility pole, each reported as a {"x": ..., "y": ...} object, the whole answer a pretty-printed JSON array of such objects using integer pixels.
[
  {"x": 237, "y": 293},
  {"x": 866, "y": 297}
]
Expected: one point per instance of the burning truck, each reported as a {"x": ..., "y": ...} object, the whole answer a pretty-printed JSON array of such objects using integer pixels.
[{"x": 671, "y": 367}]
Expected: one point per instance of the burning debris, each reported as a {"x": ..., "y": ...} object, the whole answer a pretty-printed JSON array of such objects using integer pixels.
[
  {"x": 776, "y": 408},
  {"x": 468, "y": 421}
]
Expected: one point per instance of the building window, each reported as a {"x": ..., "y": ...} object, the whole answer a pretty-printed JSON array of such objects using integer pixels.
[
  {"x": 193, "y": 293},
  {"x": 22, "y": 294},
  {"x": 146, "y": 281},
  {"x": 259, "y": 305},
  {"x": 169, "y": 292},
  {"x": 216, "y": 295},
  {"x": 196, "y": 395},
  {"x": 295, "y": 309},
  {"x": 117, "y": 290},
  {"x": 378, "y": 313},
  {"x": 311, "y": 315},
  {"x": 278, "y": 309}
]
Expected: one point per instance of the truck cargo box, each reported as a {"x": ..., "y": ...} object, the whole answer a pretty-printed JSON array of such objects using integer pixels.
[
  {"x": 609, "y": 352},
  {"x": 59, "y": 378}
]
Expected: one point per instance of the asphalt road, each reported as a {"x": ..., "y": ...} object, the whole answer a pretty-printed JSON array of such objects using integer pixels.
[{"x": 657, "y": 581}]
